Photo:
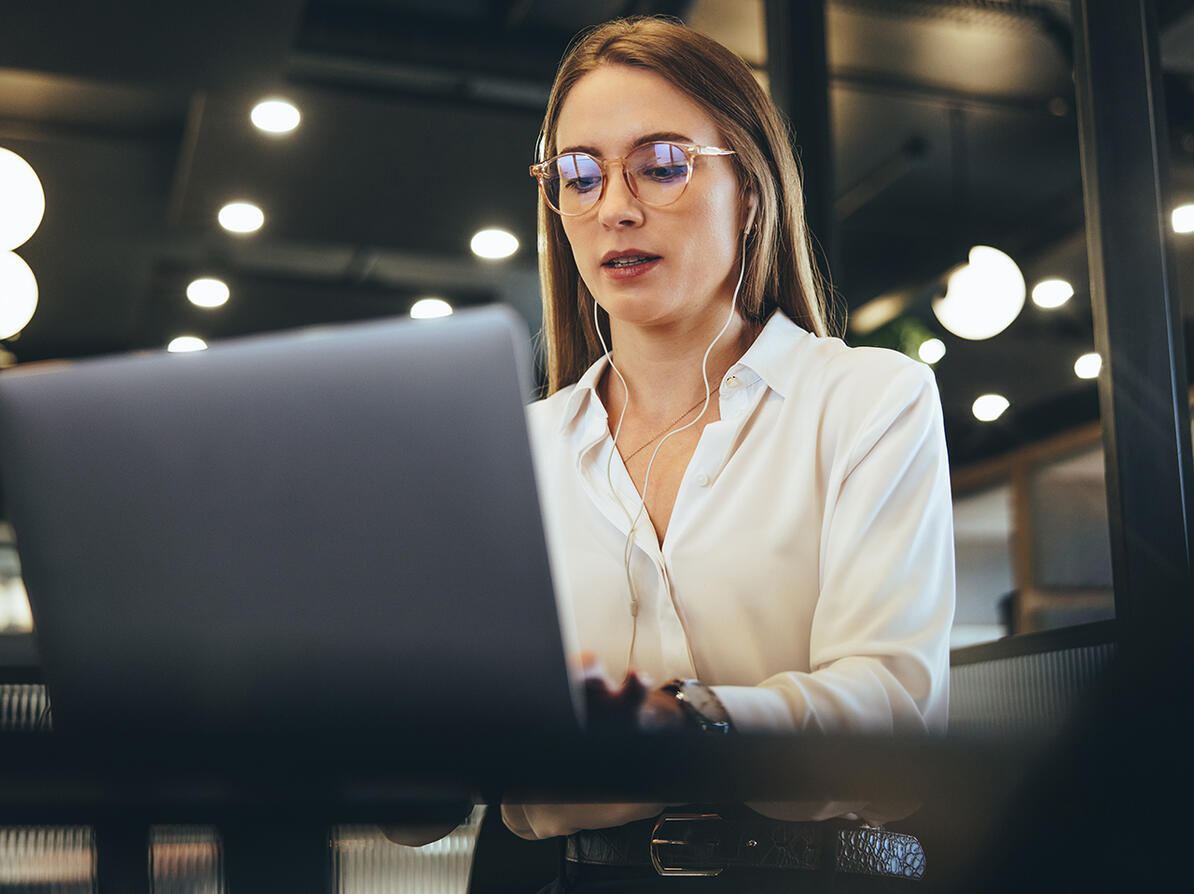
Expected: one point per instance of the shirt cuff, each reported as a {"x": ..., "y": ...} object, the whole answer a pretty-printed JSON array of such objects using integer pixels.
[{"x": 756, "y": 709}]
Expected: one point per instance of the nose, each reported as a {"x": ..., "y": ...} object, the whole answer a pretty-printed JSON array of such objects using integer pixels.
[{"x": 619, "y": 208}]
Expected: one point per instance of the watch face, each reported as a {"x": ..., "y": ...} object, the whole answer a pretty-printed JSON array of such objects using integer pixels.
[{"x": 702, "y": 700}]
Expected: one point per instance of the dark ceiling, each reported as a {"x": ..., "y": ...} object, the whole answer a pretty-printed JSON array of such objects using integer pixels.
[{"x": 952, "y": 124}]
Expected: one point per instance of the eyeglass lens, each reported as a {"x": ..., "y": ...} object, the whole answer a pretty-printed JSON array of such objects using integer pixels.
[{"x": 657, "y": 173}]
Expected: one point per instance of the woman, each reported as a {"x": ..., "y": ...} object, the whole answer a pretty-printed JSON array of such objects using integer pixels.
[{"x": 742, "y": 508}]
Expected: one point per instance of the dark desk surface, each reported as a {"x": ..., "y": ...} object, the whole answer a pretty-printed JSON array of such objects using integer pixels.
[
  {"x": 43, "y": 775},
  {"x": 1091, "y": 809}
]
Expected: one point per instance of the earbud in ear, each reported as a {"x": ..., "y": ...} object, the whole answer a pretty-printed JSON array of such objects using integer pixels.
[{"x": 752, "y": 209}]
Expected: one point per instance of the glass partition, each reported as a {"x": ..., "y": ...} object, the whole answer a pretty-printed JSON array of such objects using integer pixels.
[
  {"x": 1071, "y": 560},
  {"x": 986, "y": 577}
]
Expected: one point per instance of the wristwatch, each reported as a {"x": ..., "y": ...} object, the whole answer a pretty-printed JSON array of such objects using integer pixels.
[{"x": 701, "y": 706}]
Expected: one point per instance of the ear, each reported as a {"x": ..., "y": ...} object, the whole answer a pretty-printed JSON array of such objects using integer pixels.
[{"x": 751, "y": 208}]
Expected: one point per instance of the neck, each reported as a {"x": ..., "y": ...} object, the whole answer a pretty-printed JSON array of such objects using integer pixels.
[{"x": 662, "y": 367}]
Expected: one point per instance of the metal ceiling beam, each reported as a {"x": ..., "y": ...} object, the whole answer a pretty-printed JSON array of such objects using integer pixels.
[
  {"x": 78, "y": 132},
  {"x": 1138, "y": 320},
  {"x": 863, "y": 81},
  {"x": 461, "y": 48}
]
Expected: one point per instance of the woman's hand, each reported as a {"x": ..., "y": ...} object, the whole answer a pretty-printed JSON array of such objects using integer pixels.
[{"x": 632, "y": 707}]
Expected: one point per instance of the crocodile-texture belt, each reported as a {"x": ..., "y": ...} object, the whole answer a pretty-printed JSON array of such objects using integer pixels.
[{"x": 705, "y": 844}]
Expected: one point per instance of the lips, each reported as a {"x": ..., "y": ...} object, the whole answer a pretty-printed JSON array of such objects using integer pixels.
[
  {"x": 628, "y": 258},
  {"x": 628, "y": 264}
]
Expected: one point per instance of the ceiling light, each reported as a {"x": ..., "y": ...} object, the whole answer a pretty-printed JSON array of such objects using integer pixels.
[
  {"x": 184, "y": 344},
  {"x": 983, "y": 296},
  {"x": 1051, "y": 293},
  {"x": 876, "y": 312},
  {"x": 275, "y": 116},
  {"x": 24, "y": 202},
  {"x": 1088, "y": 366},
  {"x": 1183, "y": 219},
  {"x": 241, "y": 217},
  {"x": 208, "y": 291},
  {"x": 494, "y": 244},
  {"x": 989, "y": 407},
  {"x": 931, "y": 350},
  {"x": 18, "y": 294},
  {"x": 429, "y": 308}
]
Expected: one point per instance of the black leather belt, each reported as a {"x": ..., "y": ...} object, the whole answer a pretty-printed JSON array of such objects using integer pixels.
[{"x": 705, "y": 844}]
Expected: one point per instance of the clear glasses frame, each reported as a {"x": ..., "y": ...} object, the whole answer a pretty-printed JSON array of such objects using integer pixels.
[{"x": 544, "y": 170}]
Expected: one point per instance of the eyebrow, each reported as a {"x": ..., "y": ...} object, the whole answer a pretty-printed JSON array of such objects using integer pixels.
[{"x": 662, "y": 136}]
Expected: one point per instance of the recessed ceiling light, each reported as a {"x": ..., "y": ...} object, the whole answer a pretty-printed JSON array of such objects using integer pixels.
[
  {"x": 989, "y": 407},
  {"x": 241, "y": 217},
  {"x": 207, "y": 291},
  {"x": 275, "y": 116},
  {"x": 429, "y": 308},
  {"x": 18, "y": 294},
  {"x": 931, "y": 350},
  {"x": 1183, "y": 219},
  {"x": 24, "y": 201},
  {"x": 1051, "y": 293},
  {"x": 494, "y": 244},
  {"x": 184, "y": 344},
  {"x": 1088, "y": 366}
]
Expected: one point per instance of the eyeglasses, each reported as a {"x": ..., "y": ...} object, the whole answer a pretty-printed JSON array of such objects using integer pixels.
[{"x": 656, "y": 174}]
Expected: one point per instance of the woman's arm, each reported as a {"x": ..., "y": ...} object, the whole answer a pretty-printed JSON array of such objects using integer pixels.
[{"x": 879, "y": 643}]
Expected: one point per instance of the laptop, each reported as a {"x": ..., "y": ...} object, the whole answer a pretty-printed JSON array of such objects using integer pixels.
[{"x": 323, "y": 534}]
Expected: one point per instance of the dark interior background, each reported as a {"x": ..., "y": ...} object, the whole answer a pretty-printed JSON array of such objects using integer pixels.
[{"x": 952, "y": 124}]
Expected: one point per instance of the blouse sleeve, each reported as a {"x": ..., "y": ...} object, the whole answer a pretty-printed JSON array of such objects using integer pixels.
[{"x": 879, "y": 642}]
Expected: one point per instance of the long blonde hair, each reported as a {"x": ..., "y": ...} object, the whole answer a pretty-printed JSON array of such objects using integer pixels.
[{"x": 779, "y": 272}]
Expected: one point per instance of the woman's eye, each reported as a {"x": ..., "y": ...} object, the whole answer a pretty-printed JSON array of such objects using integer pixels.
[
  {"x": 582, "y": 184},
  {"x": 664, "y": 173}
]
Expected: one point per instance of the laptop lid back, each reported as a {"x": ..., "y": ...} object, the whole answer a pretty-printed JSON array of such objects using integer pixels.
[{"x": 332, "y": 532}]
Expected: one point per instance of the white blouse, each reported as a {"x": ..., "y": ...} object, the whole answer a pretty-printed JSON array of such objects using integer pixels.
[{"x": 807, "y": 572}]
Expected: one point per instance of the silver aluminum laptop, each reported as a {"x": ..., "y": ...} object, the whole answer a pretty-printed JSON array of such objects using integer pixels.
[{"x": 331, "y": 532}]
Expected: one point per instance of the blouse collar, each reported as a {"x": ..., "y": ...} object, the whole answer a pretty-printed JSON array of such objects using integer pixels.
[{"x": 769, "y": 357}]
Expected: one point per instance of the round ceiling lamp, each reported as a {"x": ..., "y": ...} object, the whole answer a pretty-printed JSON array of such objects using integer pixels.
[
  {"x": 24, "y": 202},
  {"x": 1182, "y": 219},
  {"x": 989, "y": 407},
  {"x": 931, "y": 350},
  {"x": 185, "y": 344},
  {"x": 494, "y": 244},
  {"x": 275, "y": 116},
  {"x": 430, "y": 308},
  {"x": 207, "y": 291},
  {"x": 241, "y": 217},
  {"x": 18, "y": 294},
  {"x": 1051, "y": 293},
  {"x": 1088, "y": 366},
  {"x": 982, "y": 297}
]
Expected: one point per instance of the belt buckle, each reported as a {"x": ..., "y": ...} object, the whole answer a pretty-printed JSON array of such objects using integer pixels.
[{"x": 659, "y": 840}]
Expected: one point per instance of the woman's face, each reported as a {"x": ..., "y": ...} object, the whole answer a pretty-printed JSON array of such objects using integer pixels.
[{"x": 691, "y": 246}]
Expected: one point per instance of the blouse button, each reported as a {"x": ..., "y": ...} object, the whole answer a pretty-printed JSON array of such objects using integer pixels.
[
  {"x": 703, "y": 480},
  {"x": 731, "y": 382}
]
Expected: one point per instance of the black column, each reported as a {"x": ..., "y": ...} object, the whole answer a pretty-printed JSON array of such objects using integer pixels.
[
  {"x": 122, "y": 856},
  {"x": 1137, "y": 318},
  {"x": 268, "y": 852},
  {"x": 799, "y": 74}
]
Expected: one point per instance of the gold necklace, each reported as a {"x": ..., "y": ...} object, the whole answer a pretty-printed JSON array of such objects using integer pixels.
[{"x": 667, "y": 428}]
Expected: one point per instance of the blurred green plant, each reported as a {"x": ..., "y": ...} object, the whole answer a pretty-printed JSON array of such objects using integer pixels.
[{"x": 904, "y": 334}]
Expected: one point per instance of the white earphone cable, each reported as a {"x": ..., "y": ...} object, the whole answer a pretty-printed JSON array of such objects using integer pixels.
[{"x": 628, "y": 552}]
